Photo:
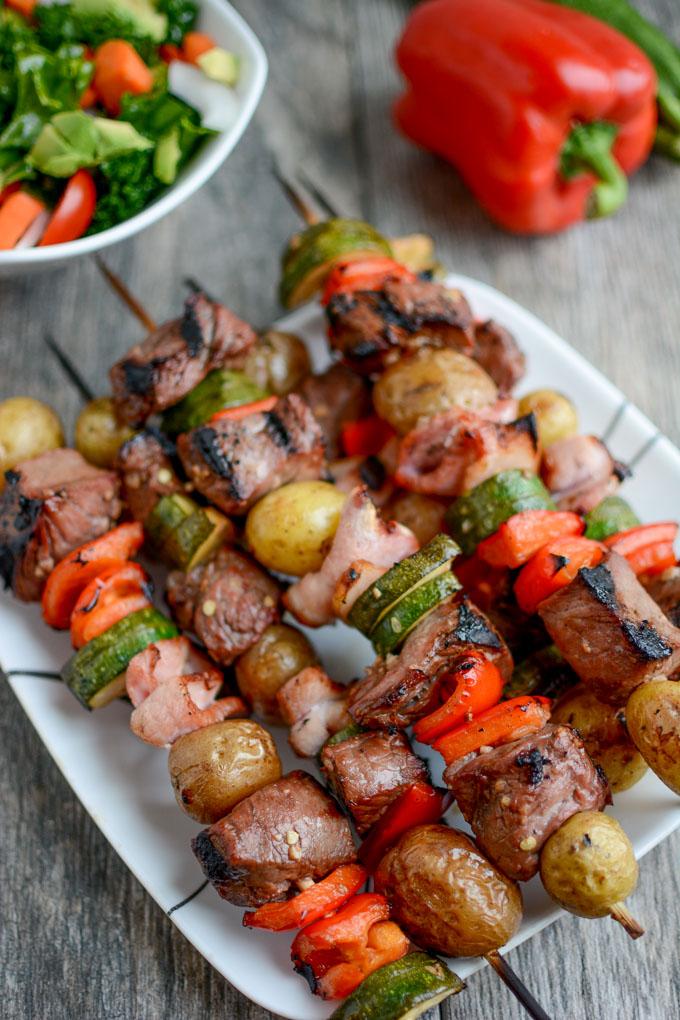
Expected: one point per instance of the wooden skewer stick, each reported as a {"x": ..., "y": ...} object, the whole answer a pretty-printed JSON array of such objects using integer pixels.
[
  {"x": 518, "y": 989},
  {"x": 318, "y": 195},
  {"x": 135, "y": 306},
  {"x": 296, "y": 199},
  {"x": 621, "y": 914},
  {"x": 69, "y": 368}
]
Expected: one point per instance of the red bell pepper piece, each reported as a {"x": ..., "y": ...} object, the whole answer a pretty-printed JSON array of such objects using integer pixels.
[
  {"x": 523, "y": 534},
  {"x": 320, "y": 899},
  {"x": 554, "y": 567},
  {"x": 481, "y": 581},
  {"x": 648, "y": 547},
  {"x": 336, "y": 953},
  {"x": 499, "y": 725},
  {"x": 71, "y": 574},
  {"x": 243, "y": 410},
  {"x": 418, "y": 805},
  {"x": 477, "y": 685},
  {"x": 542, "y": 109},
  {"x": 370, "y": 273},
  {"x": 116, "y": 591},
  {"x": 366, "y": 437}
]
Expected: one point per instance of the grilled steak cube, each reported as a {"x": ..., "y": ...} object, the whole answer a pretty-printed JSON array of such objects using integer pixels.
[
  {"x": 158, "y": 372},
  {"x": 610, "y": 631},
  {"x": 402, "y": 688},
  {"x": 369, "y": 771},
  {"x": 227, "y": 602},
  {"x": 49, "y": 506},
  {"x": 515, "y": 796},
  {"x": 370, "y": 328},
  {"x": 336, "y": 396},
  {"x": 283, "y": 833},
  {"x": 234, "y": 463},
  {"x": 499, "y": 354},
  {"x": 580, "y": 471},
  {"x": 147, "y": 471}
]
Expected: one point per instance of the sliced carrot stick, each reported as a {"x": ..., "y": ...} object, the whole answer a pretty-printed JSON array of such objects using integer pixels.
[
  {"x": 17, "y": 213},
  {"x": 195, "y": 44},
  {"x": 118, "y": 69}
]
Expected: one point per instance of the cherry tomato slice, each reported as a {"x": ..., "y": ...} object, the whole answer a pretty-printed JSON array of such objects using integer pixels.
[{"x": 74, "y": 211}]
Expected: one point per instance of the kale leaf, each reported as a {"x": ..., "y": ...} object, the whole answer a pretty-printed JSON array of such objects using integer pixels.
[
  {"x": 182, "y": 16},
  {"x": 127, "y": 185},
  {"x": 58, "y": 23}
]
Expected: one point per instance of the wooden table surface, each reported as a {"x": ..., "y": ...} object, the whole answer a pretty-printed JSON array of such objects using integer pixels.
[{"x": 79, "y": 937}]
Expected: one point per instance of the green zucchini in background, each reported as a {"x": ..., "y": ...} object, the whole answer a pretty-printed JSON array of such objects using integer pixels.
[
  {"x": 402, "y": 990},
  {"x": 609, "y": 517},
  {"x": 480, "y": 512},
  {"x": 663, "y": 53},
  {"x": 96, "y": 673}
]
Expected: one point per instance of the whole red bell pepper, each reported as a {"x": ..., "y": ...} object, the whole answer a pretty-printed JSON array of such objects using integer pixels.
[{"x": 543, "y": 109}]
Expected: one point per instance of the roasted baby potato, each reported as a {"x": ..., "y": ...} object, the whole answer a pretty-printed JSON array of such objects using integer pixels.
[
  {"x": 213, "y": 768},
  {"x": 99, "y": 435},
  {"x": 27, "y": 428},
  {"x": 653, "y": 720},
  {"x": 588, "y": 865},
  {"x": 556, "y": 416},
  {"x": 604, "y": 733},
  {"x": 291, "y": 529},
  {"x": 432, "y": 380},
  {"x": 278, "y": 362},
  {"x": 422, "y": 514},
  {"x": 280, "y": 653},
  {"x": 446, "y": 895}
]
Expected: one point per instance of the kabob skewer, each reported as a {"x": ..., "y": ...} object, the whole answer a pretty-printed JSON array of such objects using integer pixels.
[{"x": 186, "y": 741}]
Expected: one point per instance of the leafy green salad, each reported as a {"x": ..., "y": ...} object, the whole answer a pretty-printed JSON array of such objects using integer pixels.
[{"x": 94, "y": 117}]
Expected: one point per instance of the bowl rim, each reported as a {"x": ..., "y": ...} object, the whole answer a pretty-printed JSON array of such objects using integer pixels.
[{"x": 195, "y": 175}]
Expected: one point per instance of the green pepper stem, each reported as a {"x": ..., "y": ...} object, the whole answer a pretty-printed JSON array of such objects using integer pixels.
[
  {"x": 588, "y": 150},
  {"x": 667, "y": 142},
  {"x": 669, "y": 104}
]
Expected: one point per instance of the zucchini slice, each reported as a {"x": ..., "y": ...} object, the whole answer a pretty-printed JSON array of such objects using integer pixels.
[
  {"x": 609, "y": 517},
  {"x": 311, "y": 255},
  {"x": 96, "y": 673},
  {"x": 480, "y": 512},
  {"x": 220, "y": 389},
  {"x": 185, "y": 534},
  {"x": 410, "y": 609},
  {"x": 402, "y": 578},
  {"x": 402, "y": 990}
]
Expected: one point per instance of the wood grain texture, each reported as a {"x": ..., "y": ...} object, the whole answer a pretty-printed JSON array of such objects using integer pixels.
[{"x": 79, "y": 938}]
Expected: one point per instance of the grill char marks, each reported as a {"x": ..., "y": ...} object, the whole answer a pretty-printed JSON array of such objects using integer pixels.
[
  {"x": 18, "y": 516},
  {"x": 234, "y": 463},
  {"x": 610, "y": 631},
  {"x": 400, "y": 689},
  {"x": 158, "y": 372},
  {"x": 370, "y": 328}
]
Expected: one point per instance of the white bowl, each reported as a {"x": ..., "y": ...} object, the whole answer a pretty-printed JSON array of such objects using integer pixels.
[{"x": 219, "y": 19}]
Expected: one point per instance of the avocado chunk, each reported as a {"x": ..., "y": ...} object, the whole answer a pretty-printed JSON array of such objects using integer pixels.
[{"x": 220, "y": 65}]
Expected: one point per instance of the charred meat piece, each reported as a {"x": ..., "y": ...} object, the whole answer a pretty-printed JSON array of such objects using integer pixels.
[
  {"x": 336, "y": 397},
  {"x": 227, "y": 603},
  {"x": 288, "y": 831},
  {"x": 49, "y": 506},
  {"x": 610, "y": 631},
  {"x": 314, "y": 707},
  {"x": 453, "y": 451},
  {"x": 361, "y": 534},
  {"x": 370, "y": 770},
  {"x": 350, "y": 472},
  {"x": 579, "y": 472},
  {"x": 665, "y": 590},
  {"x": 402, "y": 688},
  {"x": 146, "y": 464},
  {"x": 158, "y": 372},
  {"x": 234, "y": 463},
  {"x": 370, "y": 328},
  {"x": 515, "y": 796},
  {"x": 499, "y": 354}
]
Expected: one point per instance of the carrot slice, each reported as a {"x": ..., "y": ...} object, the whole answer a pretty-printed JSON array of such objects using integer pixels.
[
  {"x": 17, "y": 213},
  {"x": 195, "y": 44},
  {"x": 119, "y": 69},
  {"x": 23, "y": 7},
  {"x": 310, "y": 905},
  {"x": 505, "y": 722},
  {"x": 243, "y": 410}
]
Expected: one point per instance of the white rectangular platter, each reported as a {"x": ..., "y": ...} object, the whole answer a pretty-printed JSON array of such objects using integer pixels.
[{"x": 125, "y": 786}]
